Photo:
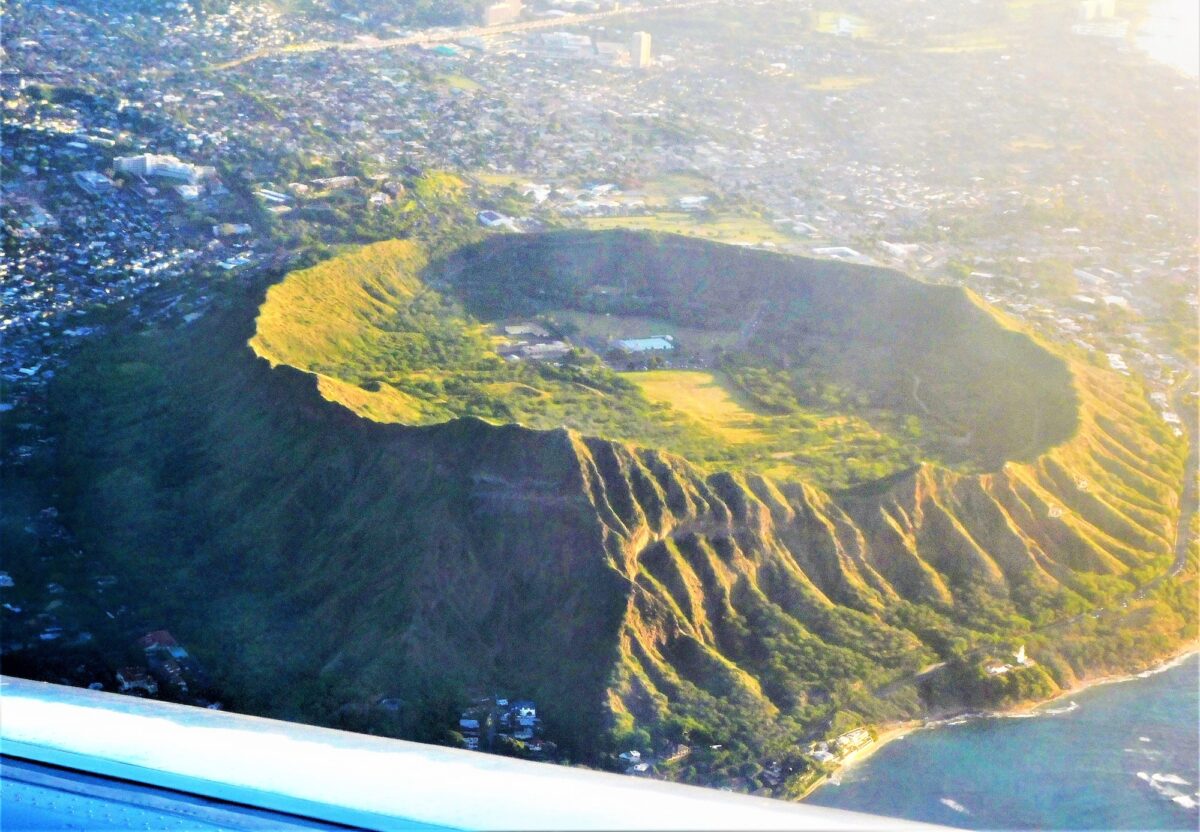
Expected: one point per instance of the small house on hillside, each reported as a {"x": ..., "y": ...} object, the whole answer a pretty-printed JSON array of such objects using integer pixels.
[
  {"x": 161, "y": 640},
  {"x": 526, "y": 329},
  {"x": 136, "y": 680},
  {"x": 157, "y": 638}
]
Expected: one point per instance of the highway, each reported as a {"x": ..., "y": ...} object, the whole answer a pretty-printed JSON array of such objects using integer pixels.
[{"x": 431, "y": 36}]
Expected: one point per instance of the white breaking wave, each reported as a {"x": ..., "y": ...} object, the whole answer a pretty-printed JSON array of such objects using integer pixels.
[
  {"x": 1066, "y": 709},
  {"x": 950, "y": 803},
  {"x": 1070, "y": 707},
  {"x": 1170, "y": 778},
  {"x": 1165, "y": 666},
  {"x": 1163, "y": 785},
  {"x": 1144, "y": 752},
  {"x": 965, "y": 718}
]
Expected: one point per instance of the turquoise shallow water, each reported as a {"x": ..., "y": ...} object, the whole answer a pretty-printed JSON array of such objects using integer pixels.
[{"x": 1124, "y": 756}]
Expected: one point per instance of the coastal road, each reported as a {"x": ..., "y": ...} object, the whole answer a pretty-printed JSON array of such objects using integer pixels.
[
  {"x": 891, "y": 688},
  {"x": 431, "y": 36},
  {"x": 1191, "y": 484}
]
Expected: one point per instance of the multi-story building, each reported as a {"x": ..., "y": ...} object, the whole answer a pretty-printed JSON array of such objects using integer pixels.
[
  {"x": 639, "y": 50},
  {"x": 506, "y": 11},
  {"x": 168, "y": 167},
  {"x": 96, "y": 184}
]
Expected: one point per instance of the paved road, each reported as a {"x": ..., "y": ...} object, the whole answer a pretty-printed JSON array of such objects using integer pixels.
[
  {"x": 1191, "y": 484},
  {"x": 430, "y": 36}
]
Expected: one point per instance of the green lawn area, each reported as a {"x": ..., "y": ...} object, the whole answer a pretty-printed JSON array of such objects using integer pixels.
[
  {"x": 704, "y": 397},
  {"x": 459, "y": 82},
  {"x": 807, "y": 443},
  {"x": 663, "y": 190},
  {"x": 496, "y": 179},
  {"x": 839, "y": 83},
  {"x": 978, "y": 41},
  {"x": 829, "y": 22},
  {"x": 1022, "y": 10},
  {"x": 725, "y": 228},
  {"x": 1029, "y": 143}
]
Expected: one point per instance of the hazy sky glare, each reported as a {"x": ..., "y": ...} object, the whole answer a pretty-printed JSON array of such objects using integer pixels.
[{"x": 1171, "y": 35}]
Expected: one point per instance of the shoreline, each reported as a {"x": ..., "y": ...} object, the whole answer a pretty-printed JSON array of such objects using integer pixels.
[
  {"x": 884, "y": 735},
  {"x": 889, "y": 732}
]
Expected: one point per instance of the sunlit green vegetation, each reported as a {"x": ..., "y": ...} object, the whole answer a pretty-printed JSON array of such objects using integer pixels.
[
  {"x": 726, "y": 228},
  {"x": 838, "y": 22},
  {"x": 320, "y": 560},
  {"x": 701, "y": 396},
  {"x": 458, "y": 82},
  {"x": 839, "y": 83},
  {"x": 960, "y": 42},
  {"x": 386, "y": 345},
  {"x": 664, "y": 189}
]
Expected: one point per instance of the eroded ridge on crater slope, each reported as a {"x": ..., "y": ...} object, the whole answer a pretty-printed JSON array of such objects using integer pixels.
[{"x": 639, "y": 597}]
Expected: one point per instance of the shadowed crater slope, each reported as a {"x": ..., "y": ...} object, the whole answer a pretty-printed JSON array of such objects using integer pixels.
[{"x": 379, "y": 500}]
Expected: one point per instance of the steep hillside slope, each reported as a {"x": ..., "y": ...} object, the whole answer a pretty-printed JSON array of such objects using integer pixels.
[{"x": 318, "y": 560}]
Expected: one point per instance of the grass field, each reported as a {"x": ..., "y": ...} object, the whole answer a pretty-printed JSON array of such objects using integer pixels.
[
  {"x": 707, "y": 406},
  {"x": 830, "y": 23},
  {"x": 1020, "y": 11},
  {"x": 459, "y": 82},
  {"x": 663, "y": 190},
  {"x": 980, "y": 41},
  {"x": 1029, "y": 143},
  {"x": 496, "y": 179},
  {"x": 702, "y": 396},
  {"x": 725, "y": 229},
  {"x": 839, "y": 83}
]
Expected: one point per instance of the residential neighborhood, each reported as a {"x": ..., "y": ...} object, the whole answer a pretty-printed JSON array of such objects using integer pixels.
[
  {"x": 157, "y": 163},
  {"x": 505, "y": 726}
]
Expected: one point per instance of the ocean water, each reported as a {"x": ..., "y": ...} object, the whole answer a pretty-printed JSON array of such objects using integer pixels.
[
  {"x": 1117, "y": 756},
  {"x": 1171, "y": 34}
]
